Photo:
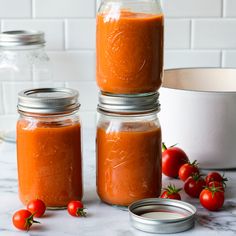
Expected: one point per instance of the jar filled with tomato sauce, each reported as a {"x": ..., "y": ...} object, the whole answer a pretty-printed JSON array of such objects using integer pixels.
[
  {"x": 128, "y": 148},
  {"x": 49, "y": 146},
  {"x": 129, "y": 46}
]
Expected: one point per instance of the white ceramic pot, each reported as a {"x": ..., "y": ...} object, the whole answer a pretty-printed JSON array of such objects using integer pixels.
[{"x": 198, "y": 111}]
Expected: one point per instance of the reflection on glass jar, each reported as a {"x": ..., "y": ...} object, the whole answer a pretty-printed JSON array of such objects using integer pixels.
[{"x": 128, "y": 149}]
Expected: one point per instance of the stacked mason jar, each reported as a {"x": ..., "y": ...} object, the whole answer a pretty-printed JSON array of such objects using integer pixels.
[{"x": 129, "y": 73}]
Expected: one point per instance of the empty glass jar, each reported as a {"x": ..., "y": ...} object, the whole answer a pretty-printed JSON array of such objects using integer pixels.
[{"x": 23, "y": 64}]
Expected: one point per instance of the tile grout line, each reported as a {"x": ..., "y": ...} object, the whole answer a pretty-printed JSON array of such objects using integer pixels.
[
  {"x": 65, "y": 31},
  {"x": 222, "y": 58},
  {"x": 222, "y": 8},
  {"x": 191, "y": 34},
  {"x": 33, "y": 15}
]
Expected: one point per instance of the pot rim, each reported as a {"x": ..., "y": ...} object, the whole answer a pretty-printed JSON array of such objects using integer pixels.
[{"x": 232, "y": 69}]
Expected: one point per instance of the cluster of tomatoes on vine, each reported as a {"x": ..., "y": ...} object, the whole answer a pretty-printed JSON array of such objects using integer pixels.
[
  {"x": 23, "y": 219},
  {"x": 210, "y": 190}
]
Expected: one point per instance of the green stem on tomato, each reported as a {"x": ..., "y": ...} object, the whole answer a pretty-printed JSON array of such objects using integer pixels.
[
  {"x": 81, "y": 212},
  {"x": 29, "y": 221},
  {"x": 164, "y": 147}
]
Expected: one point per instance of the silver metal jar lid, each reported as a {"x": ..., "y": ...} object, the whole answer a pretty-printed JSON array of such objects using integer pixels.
[
  {"x": 129, "y": 103},
  {"x": 21, "y": 38},
  {"x": 48, "y": 100},
  {"x": 158, "y": 215}
]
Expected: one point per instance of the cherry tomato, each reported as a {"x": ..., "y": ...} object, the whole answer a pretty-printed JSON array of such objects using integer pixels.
[
  {"x": 212, "y": 198},
  {"x": 215, "y": 176},
  {"x": 23, "y": 219},
  {"x": 76, "y": 208},
  {"x": 172, "y": 159},
  {"x": 171, "y": 192},
  {"x": 217, "y": 184},
  {"x": 194, "y": 185},
  {"x": 188, "y": 169},
  {"x": 36, "y": 207}
]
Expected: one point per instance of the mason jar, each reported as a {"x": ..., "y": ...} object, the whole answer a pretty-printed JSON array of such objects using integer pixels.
[
  {"x": 129, "y": 46},
  {"x": 49, "y": 146},
  {"x": 24, "y": 63},
  {"x": 128, "y": 148}
]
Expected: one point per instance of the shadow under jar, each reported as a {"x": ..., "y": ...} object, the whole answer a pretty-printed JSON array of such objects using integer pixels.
[
  {"x": 128, "y": 148},
  {"x": 49, "y": 146},
  {"x": 129, "y": 46}
]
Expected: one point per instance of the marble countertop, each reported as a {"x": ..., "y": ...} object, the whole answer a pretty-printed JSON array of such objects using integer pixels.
[{"x": 102, "y": 219}]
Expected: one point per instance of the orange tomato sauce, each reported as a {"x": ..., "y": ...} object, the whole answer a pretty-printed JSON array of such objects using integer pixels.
[
  {"x": 49, "y": 162},
  {"x": 129, "y": 52},
  {"x": 128, "y": 164}
]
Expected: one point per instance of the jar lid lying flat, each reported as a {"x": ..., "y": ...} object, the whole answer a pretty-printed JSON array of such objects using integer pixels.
[
  {"x": 158, "y": 215},
  {"x": 48, "y": 100},
  {"x": 129, "y": 103},
  {"x": 21, "y": 38}
]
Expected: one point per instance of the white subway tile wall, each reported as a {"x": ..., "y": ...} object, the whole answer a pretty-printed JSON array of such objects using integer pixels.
[
  {"x": 214, "y": 33},
  {"x": 197, "y": 33},
  {"x": 192, "y": 8},
  {"x": 192, "y": 58},
  {"x": 80, "y": 34},
  {"x": 64, "y": 8},
  {"x": 177, "y": 33},
  {"x": 229, "y": 59},
  {"x": 73, "y": 65},
  {"x": 229, "y": 8},
  {"x": 15, "y": 9}
]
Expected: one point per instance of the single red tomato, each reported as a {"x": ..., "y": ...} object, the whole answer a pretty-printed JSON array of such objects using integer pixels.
[
  {"x": 23, "y": 219},
  {"x": 76, "y": 208},
  {"x": 171, "y": 192},
  {"x": 216, "y": 184},
  {"x": 212, "y": 198},
  {"x": 215, "y": 176},
  {"x": 188, "y": 169},
  {"x": 172, "y": 159},
  {"x": 36, "y": 207},
  {"x": 194, "y": 185}
]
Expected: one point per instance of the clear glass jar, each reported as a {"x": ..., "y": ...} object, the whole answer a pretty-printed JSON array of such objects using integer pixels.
[
  {"x": 128, "y": 149},
  {"x": 23, "y": 64},
  {"x": 49, "y": 146},
  {"x": 23, "y": 57},
  {"x": 129, "y": 45}
]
